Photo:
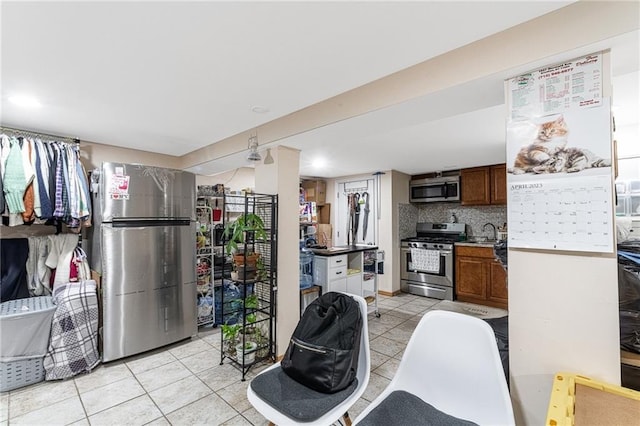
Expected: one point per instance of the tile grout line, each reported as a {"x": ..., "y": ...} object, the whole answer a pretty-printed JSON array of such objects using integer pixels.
[{"x": 146, "y": 392}]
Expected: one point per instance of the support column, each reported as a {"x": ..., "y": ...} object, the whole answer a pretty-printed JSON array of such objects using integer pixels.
[{"x": 283, "y": 178}]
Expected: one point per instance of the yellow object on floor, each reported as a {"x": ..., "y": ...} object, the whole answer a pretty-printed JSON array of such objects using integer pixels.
[{"x": 579, "y": 400}]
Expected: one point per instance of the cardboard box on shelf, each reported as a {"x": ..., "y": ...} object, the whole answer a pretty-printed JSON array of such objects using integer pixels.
[
  {"x": 324, "y": 213},
  {"x": 315, "y": 190},
  {"x": 323, "y": 235}
]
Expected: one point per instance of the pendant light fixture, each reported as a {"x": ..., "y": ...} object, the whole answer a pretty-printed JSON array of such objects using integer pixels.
[
  {"x": 253, "y": 148},
  {"x": 268, "y": 159}
]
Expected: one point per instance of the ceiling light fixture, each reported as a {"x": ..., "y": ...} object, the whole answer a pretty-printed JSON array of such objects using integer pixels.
[
  {"x": 25, "y": 101},
  {"x": 268, "y": 159},
  {"x": 253, "y": 148},
  {"x": 259, "y": 109}
]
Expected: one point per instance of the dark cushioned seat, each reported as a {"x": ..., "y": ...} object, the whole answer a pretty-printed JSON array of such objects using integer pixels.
[
  {"x": 403, "y": 408},
  {"x": 294, "y": 399}
]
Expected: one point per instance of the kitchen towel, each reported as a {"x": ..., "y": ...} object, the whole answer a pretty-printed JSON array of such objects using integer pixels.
[{"x": 425, "y": 260}]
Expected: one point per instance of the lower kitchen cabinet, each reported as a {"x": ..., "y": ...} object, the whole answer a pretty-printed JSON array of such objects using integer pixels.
[
  {"x": 479, "y": 277},
  {"x": 330, "y": 273},
  {"x": 354, "y": 272}
]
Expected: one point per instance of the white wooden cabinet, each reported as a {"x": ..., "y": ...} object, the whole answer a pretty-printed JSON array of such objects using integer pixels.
[
  {"x": 353, "y": 273},
  {"x": 330, "y": 272}
]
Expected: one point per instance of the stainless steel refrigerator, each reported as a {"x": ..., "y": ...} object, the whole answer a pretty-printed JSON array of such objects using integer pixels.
[{"x": 143, "y": 245}]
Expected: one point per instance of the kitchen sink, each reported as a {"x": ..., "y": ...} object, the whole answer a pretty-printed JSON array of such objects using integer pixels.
[{"x": 480, "y": 240}]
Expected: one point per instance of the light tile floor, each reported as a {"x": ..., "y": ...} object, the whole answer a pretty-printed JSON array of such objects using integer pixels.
[{"x": 184, "y": 383}]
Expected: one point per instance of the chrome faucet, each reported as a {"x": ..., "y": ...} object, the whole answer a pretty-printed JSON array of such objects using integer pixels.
[{"x": 495, "y": 234}]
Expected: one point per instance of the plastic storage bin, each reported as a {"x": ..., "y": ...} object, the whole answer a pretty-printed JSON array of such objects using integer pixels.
[{"x": 25, "y": 325}]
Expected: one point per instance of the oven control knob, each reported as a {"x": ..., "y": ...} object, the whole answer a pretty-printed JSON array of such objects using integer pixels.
[
  {"x": 440, "y": 246},
  {"x": 424, "y": 246}
]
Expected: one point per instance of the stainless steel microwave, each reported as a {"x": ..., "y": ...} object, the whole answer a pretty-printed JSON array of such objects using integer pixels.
[{"x": 446, "y": 188}]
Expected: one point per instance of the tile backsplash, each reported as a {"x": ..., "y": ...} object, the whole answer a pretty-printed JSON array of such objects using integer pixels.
[{"x": 475, "y": 217}]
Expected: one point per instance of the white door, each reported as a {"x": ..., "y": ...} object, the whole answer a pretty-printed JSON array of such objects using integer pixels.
[{"x": 365, "y": 201}]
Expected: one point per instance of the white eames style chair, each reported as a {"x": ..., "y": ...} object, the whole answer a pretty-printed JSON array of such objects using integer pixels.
[
  {"x": 329, "y": 407},
  {"x": 452, "y": 364}
]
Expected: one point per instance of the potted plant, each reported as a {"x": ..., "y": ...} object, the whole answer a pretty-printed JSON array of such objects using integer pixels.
[
  {"x": 246, "y": 353},
  {"x": 248, "y": 349},
  {"x": 247, "y": 227},
  {"x": 230, "y": 336}
]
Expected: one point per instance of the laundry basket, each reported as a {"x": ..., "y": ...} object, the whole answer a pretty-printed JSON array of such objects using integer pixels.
[{"x": 25, "y": 325}]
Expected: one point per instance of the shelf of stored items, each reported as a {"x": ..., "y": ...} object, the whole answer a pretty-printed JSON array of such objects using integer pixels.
[
  {"x": 247, "y": 299},
  {"x": 204, "y": 266},
  {"x": 350, "y": 269}
]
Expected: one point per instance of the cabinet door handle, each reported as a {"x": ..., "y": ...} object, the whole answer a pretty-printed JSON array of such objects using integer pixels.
[
  {"x": 339, "y": 272},
  {"x": 339, "y": 261}
]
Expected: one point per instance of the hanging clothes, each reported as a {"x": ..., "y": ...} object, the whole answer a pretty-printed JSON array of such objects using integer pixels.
[
  {"x": 38, "y": 273},
  {"x": 43, "y": 164},
  {"x": 13, "y": 272},
  {"x": 29, "y": 196},
  {"x": 15, "y": 181},
  {"x": 2, "y": 204},
  {"x": 61, "y": 250},
  {"x": 43, "y": 181}
]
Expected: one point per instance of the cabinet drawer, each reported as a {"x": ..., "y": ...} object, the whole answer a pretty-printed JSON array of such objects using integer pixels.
[
  {"x": 338, "y": 261},
  {"x": 339, "y": 284},
  {"x": 337, "y": 272},
  {"x": 486, "y": 252},
  {"x": 354, "y": 284},
  {"x": 368, "y": 286}
]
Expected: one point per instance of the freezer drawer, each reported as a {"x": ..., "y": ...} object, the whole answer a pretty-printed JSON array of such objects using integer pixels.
[
  {"x": 148, "y": 287},
  {"x": 143, "y": 192}
]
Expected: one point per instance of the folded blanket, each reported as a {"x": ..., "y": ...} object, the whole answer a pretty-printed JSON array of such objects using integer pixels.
[{"x": 73, "y": 346}]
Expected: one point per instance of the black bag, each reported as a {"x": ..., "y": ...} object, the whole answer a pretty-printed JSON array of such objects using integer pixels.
[{"x": 323, "y": 351}]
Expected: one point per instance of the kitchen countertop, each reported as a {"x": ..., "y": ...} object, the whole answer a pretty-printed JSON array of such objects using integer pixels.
[
  {"x": 476, "y": 244},
  {"x": 337, "y": 250}
]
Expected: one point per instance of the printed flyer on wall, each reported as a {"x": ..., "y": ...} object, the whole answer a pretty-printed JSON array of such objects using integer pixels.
[
  {"x": 558, "y": 88},
  {"x": 559, "y": 177}
]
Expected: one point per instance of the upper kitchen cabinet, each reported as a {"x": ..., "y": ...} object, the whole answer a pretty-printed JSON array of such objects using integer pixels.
[
  {"x": 315, "y": 191},
  {"x": 499, "y": 184},
  {"x": 484, "y": 185}
]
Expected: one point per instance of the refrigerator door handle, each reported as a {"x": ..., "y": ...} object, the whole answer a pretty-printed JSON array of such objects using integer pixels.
[{"x": 141, "y": 222}]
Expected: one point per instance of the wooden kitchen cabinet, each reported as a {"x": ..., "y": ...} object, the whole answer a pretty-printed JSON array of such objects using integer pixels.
[
  {"x": 471, "y": 279},
  {"x": 315, "y": 191},
  {"x": 479, "y": 277},
  {"x": 498, "y": 284},
  {"x": 499, "y": 184},
  {"x": 484, "y": 185}
]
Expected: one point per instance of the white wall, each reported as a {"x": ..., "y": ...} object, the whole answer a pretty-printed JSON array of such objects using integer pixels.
[
  {"x": 236, "y": 180},
  {"x": 94, "y": 154},
  {"x": 563, "y": 316}
]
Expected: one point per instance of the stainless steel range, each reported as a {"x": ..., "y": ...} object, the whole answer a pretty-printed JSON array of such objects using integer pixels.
[{"x": 427, "y": 260}]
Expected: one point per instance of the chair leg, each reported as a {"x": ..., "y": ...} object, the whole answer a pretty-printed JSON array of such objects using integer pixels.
[{"x": 347, "y": 419}]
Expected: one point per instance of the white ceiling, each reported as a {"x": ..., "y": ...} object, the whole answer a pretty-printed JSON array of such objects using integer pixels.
[{"x": 172, "y": 77}]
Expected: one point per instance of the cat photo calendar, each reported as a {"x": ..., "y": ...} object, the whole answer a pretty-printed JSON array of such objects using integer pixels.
[{"x": 559, "y": 149}]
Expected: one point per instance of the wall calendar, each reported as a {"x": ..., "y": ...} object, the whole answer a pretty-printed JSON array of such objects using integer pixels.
[
  {"x": 562, "y": 214},
  {"x": 559, "y": 174}
]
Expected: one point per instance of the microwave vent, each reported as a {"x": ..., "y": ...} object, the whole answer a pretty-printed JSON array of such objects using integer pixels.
[{"x": 444, "y": 173}]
